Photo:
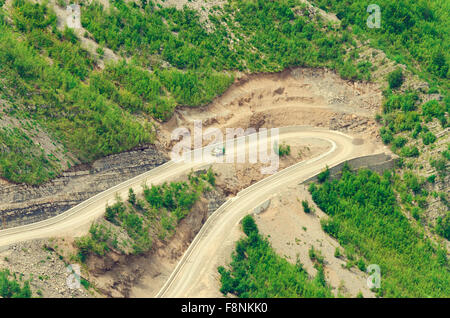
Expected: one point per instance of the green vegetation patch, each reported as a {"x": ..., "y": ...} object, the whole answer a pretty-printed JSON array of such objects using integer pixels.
[
  {"x": 10, "y": 287},
  {"x": 131, "y": 226},
  {"x": 55, "y": 95},
  {"x": 21, "y": 160},
  {"x": 256, "y": 271},
  {"x": 364, "y": 216},
  {"x": 283, "y": 150},
  {"x": 412, "y": 31},
  {"x": 172, "y": 60}
]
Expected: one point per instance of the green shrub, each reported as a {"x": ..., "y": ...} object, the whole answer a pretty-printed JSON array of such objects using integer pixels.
[
  {"x": 399, "y": 142},
  {"x": 428, "y": 138},
  {"x": 416, "y": 213},
  {"x": 337, "y": 252},
  {"x": 361, "y": 265},
  {"x": 432, "y": 109},
  {"x": 101, "y": 52},
  {"x": 412, "y": 182},
  {"x": 412, "y": 151},
  {"x": 432, "y": 178},
  {"x": 211, "y": 177},
  {"x": 395, "y": 78},
  {"x": 249, "y": 226},
  {"x": 417, "y": 130},
  {"x": 306, "y": 207},
  {"x": 86, "y": 284},
  {"x": 440, "y": 164},
  {"x": 131, "y": 196},
  {"x": 284, "y": 150},
  {"x": 406, "y": 102},
  {"x": 113, "y": 211},
  {"x": 324, "y": 175},
  {"x": 386, "y": 135},
  {"x": 443, "y": 226},
  {"x": 250, "y": 277}
]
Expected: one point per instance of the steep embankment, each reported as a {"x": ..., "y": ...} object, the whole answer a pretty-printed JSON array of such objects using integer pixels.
[{"x": 25, "y": 204}]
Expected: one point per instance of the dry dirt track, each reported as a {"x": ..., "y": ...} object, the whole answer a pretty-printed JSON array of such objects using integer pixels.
[
  {"x": 199, "y": 262},
  {"x": 196, "y": 273}
]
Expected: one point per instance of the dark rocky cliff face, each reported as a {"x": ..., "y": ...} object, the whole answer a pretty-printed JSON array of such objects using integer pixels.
[{"x": 23, "y": 204}]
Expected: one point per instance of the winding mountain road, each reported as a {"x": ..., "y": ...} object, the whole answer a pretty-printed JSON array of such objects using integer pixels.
[
  {"x": 199, "y": 262},
  {"x": 197, "y": 269}
]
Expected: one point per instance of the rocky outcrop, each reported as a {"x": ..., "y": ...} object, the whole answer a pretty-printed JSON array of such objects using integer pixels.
[{"x": 23, "y": 204}]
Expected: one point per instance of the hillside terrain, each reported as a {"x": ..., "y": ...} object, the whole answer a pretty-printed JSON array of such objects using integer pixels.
[{"x": 82, "y": 110}]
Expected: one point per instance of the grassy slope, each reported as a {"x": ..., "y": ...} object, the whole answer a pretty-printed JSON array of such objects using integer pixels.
[
  {"x": 49, "y": 80},
  {"x": 415, "y": 33},
  {"x": 375, "y": 228},
  {"x": 367, "y": 220}
]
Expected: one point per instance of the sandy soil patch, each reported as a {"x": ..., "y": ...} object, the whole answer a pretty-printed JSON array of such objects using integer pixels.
[{"x": 315, "y": 97}]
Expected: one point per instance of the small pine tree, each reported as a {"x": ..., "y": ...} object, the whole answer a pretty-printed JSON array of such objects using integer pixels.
[
  {"x": 323, "y": 176},
  {"x": 306, "y": 207},
  {"x": 249, "y": 225},
  {"x": 131, "y": 197},
  {"x": 395, "y": 78}
]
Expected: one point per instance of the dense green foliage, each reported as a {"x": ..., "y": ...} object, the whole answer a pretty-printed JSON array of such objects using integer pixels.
[
  {"x": 270, "y": 40},
  {"x": 323, "y": 175},
  {"x": 50, "y": 82},
  {"x": 443, "y": 226},
  {"x": 284, "y": 150},
  {"x": 365, "y": 217},
  {"x": 404, "y": 117},
  {"x": 411, "y": 31},
  {"x": 147, "y": 37},
  {"x": 12, "y": 288},
  {"x": 258, "y": 272},
  {"x": 395, "y": 78},
  {"x": 416, "y": 34},
  {"x": 193, "y": 88},
  {"x": 135, "y": 89}
]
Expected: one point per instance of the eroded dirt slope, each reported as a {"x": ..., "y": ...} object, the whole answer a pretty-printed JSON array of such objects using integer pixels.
[{"x": 315, "y": 97}]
